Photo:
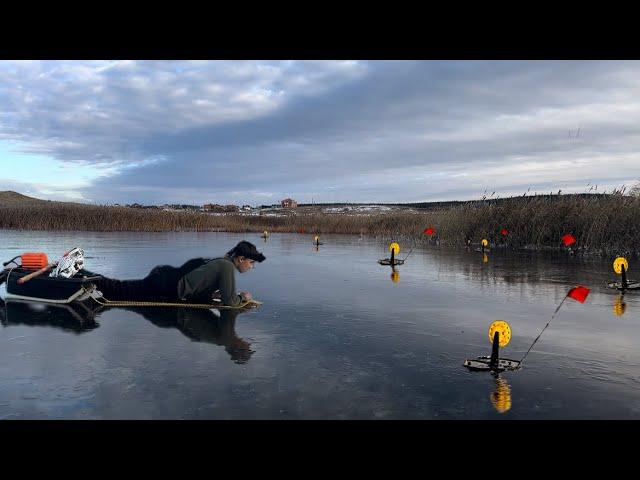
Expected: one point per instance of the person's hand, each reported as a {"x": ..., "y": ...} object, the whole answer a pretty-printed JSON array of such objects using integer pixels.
[{"x": 246, "y": 296}]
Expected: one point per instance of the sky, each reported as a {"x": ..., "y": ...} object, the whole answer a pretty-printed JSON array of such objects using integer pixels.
[{"x": 256, "y": 132}]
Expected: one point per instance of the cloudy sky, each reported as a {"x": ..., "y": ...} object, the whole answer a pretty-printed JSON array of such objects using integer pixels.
[{"x": 255, "y": 132}]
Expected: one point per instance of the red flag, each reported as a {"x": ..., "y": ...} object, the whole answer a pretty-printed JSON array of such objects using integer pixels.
[
  {"x": 428, "y": 231},
  {"x": 568, "y": 239},
  {"x": 504, "y": 232},
  {"x": 579, "y": 293},
  {"x": 302, "y": 230}
]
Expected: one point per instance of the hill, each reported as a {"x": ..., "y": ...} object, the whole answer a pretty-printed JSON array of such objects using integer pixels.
[{"x": 12, "y": 198}]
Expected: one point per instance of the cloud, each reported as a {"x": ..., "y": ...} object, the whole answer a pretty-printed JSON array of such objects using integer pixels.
[{"x": 335, "y": 131}]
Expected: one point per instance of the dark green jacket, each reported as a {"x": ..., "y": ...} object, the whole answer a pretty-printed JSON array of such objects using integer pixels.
[{"x": 218, "y": 274}]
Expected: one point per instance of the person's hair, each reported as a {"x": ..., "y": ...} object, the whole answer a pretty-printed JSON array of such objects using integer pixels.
[{"x": 247, "y": 250}]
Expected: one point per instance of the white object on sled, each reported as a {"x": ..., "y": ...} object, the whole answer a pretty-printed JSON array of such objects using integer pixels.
[{"x": 70, "y": 264}]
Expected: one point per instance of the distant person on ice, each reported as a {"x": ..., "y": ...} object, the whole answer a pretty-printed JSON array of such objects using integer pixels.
[{"x": 199, "y": 280}]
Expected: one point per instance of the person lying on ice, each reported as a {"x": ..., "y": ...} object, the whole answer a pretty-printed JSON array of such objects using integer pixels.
[{"x": 199, "y": 280}]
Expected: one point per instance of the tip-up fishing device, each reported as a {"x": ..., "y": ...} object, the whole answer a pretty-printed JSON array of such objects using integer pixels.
[
  {"x": 620, "y": 266},
  {"x": 394, "y": 248},
  {"x": 484, "y": 246},
  {"x": 499, "y": 336}
]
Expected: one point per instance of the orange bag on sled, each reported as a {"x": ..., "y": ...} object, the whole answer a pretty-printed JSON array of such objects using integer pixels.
[{"x": 34, "y": 261}]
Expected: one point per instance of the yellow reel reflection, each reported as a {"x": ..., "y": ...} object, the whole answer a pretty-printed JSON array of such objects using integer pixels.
[
  {"x": 484, "y": 242},
  {"x": 501, "y": 396},
  {"x": 503, "y": 329},
  {"x": 485, "y": 258},
  {"x": 617, "y": 265},
  {"x": 619, "y": 307},
  {"x": 395, "y": 247},
  {"x": 395, "y": 276}
]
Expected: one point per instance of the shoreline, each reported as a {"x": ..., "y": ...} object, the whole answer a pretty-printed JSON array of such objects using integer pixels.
[
  {"x": 415, "y": 241},
  {"x": 602, "y": 225}
]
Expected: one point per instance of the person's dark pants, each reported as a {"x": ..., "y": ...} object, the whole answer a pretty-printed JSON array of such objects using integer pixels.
[{"x": 160, "y": 285}]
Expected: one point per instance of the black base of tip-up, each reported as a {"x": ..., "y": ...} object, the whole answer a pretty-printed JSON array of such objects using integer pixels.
[
  {"x": 484, "y": 364},
  {"x": 387, "y": 261},
  {"x": 631, "y": 285}
]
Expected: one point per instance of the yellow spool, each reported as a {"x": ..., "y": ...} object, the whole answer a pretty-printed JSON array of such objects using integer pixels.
[
  {"x": 503, "y": 329},
  {"x": 484, "y": 242},
  {"x": 395, "y": 248},
  {"x": 316, "y": 238},
  {"x": 617, "y": 265}
]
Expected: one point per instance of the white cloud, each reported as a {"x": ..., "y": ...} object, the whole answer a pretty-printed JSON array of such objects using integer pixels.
[{"x": 380, "y": 130}]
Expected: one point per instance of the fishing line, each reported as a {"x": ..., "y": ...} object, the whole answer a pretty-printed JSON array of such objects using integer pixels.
[
  {"x": 545, "y": 327},
  {"x": 411, "y": 250}
]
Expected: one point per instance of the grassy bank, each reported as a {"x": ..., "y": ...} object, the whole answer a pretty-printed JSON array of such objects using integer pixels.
[{"x": 602, "y": 224}]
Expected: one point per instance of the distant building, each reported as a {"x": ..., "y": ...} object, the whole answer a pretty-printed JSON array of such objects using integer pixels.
[
  {"x": 246, "y": 208},
  {"x": 288, "y": 203},
  {"x": 214, "y": 207},
  {"x": 169, "y": 207}
]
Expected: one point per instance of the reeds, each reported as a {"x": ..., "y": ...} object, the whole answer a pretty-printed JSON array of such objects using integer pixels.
[{"x": 601, "y": 223}]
